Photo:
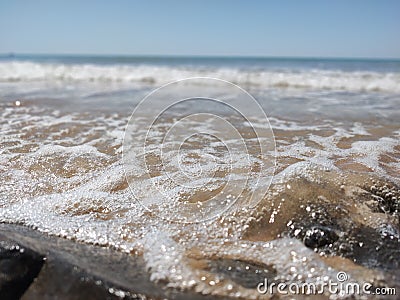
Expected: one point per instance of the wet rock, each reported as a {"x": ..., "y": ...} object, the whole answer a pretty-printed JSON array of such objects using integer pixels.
[
  {"x": 247, "y": 274},
  {"x": 18, "y": 269},
  {"x": 36, "y": 266},
  {"x": 319, "y": 236},
  {"x": 376, "y": 250},
  {"x": 387, "y": 199},
  {"x": 63, "y": 281}
]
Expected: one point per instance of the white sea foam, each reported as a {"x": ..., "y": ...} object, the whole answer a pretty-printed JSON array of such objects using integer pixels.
[
  {"x": 71, "y": 183},
  {"x": 152, "y": 74}
]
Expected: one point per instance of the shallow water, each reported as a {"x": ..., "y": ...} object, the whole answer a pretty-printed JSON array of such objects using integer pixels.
[{"x": 333, "y": 202}]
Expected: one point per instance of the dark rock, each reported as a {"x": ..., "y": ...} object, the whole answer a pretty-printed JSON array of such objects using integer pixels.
[
  {"x": 63, "y": 281},
  {"x": 319, "y": 236},
  {"x": 72, "y": 270},
  {"x": 387, "y": 199},
  {"x": 373, "y": 250},
  {"x": 247, "y": 274},
  {"x": 18, "y": 269}
]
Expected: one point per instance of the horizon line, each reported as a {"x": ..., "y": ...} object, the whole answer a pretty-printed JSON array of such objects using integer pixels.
[{"x": 16, "y": 54}]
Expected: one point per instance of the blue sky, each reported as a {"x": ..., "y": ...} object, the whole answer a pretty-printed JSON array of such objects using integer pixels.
[{"x": 249, "y": 28}]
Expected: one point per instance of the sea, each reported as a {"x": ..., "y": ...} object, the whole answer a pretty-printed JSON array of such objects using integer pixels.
[{"x": 219, "y": 171}]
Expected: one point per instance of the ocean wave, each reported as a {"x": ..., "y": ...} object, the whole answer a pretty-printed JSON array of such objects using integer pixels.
[{"x": 17, "y": 71}]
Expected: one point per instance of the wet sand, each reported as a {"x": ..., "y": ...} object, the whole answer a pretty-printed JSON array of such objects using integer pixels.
[{"x": 333, "y": 206}]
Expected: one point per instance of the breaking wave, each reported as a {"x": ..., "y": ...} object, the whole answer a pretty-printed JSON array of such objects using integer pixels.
[{"x": 314, "y": 79}]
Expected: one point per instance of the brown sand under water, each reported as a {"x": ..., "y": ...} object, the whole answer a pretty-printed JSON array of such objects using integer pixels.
[{"x": 333, "y": 204}]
